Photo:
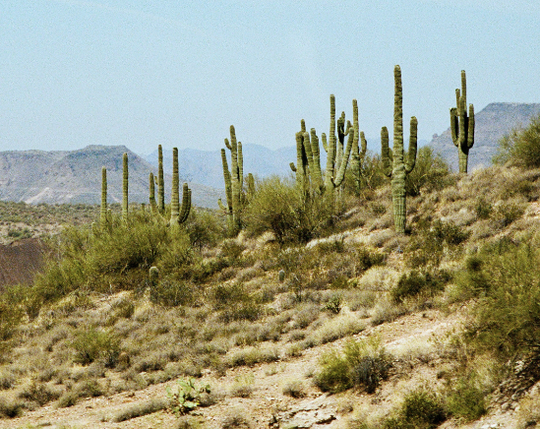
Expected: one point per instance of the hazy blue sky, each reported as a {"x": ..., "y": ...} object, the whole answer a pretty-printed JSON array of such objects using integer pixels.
[{"x": 178, "y": 73}]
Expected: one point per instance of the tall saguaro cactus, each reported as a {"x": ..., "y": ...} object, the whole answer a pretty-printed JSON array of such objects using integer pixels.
[
  {"x": 462, "y": 125},
  {"x": 103, "y": 208},
  {"x": 125, "y": 186},
  {"x": 395, "y": 165},
  {"x": 234, "y": 182},
  {"x": 161, "y": 182}
]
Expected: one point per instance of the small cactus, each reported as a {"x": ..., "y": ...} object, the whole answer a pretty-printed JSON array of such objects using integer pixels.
[
  {"x": 281, "y": 276},
  {"x": 153, "y": 276}
]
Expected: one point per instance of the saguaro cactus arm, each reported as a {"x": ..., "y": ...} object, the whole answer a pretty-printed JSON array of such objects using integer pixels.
[
  {"x": 386, "y": 154},
  {"x": 411, "y": 154}
]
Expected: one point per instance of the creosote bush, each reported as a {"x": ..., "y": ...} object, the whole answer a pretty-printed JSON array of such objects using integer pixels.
[{"x": 363, "y": 364}]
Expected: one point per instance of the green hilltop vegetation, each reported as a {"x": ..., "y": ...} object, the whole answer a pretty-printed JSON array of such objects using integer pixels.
[{"x": 146, "y": 294}]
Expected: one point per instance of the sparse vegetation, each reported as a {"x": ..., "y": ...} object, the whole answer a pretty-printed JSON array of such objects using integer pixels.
[{"x": 131, "y": 302}]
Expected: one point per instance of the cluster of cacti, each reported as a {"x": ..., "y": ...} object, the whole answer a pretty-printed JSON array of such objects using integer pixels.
[
  {"x": 179, "y": 213},
  {"x": 395, "y": 165},
  {"x": 234, "y": 183},
  {"x": 308, "y": 170},
  {"x": 462, "y": 125}
]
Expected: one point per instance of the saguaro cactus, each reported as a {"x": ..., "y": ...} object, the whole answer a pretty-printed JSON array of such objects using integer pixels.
[
  {"x": 462, "y": 125},
  {"x": 152, "y": 192},
  {"x": 179, "y": 214},
  {"x": 125, "y": 186},
  {"x": 358, "y": 152},
  {"x": 103, "y": 209},
  {"x": 234, "y": 182},
  {"x": 395, "y": 165},
  {"x": 161, "y": 182}
]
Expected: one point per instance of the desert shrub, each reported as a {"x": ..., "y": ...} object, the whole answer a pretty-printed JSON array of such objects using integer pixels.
[
  {"x": 204, "y": 228},
  {"x": 430, "y": 173},
  {"x": 363, "y": 364},
  {"x": 521, "y": 146},
  {"x": 465, "y": 400},
  {"x": 505, "y": 276},
  {"x": 417, "y": 282},
  {"x": 371, "y": 177},
  {"x": 235, "y": 302},
  {"x": 242, "y": 386},
  {"x": 281, "y": 207},
  {"x": 140, "y": 409},
  {"x": 431, "y": 241},
  {"x": 420, "y": 409},
  {"x": 10, "y": 407},
  {"x": 294, "y": 389},
  {"x": 483, "y": 208},
  {"x": 91, "y": 344},
  {"x": 171, "y": 293}
]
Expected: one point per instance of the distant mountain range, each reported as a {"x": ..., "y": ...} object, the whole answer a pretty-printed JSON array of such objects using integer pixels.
[
  {"x": 491, "y": 124},
  {"x": 75, "y": 176},
  {"x": 205, "y": 167}
]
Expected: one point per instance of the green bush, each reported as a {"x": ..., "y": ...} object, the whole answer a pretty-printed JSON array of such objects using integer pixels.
[
  {"x": 91, "y": 344},
  {"x": 281, "y": 207},
  {"x": 521, "y": 147},
  {"x": 504, "y": 275},
  {"x": 416, "y": 282},
  {"x": 431, "y": 241},
  {"x": 171, "y": 293},
  {"x": 465, "y": 400},
  {"x": 430, "y": 173},
  {"x": 363, "y": 364},
  {"x": 420, "y": 409}
]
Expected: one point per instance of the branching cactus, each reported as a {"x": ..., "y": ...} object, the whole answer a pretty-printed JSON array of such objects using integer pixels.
[
  {"x": 103, "y": 209},
  {"x": 395, "y": 165},
  {"x": 234, "y": 182},
  {"x": 179, "y": 214},
  {"x": 462, "y": 125},
  {"x": 125, "y": 188},
  {"x": 308, "y": 170}
]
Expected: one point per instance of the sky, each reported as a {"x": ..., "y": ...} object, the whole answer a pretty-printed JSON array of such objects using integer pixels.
[{"x": 178, "y": 73}]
